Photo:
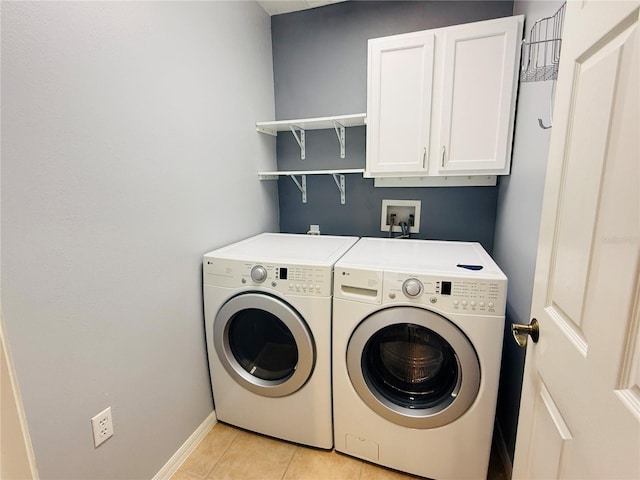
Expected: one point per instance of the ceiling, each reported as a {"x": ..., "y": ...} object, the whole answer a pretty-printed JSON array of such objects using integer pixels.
[{"x": 276, "y": 7}]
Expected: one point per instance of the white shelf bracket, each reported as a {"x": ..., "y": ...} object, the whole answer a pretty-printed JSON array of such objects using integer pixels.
[
  {"x": 339, "y": 179},
  {"x": 340, "y": 132},
  {"x": 269, "y": 131},
  {"x": 299, "y": 139},
  {"x": 301, "y": 186}
]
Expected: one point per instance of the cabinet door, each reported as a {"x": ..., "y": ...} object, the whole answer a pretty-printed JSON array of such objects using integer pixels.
[
  {"x": 480, "y": 75},
  {"x": 400, "y": 75}
]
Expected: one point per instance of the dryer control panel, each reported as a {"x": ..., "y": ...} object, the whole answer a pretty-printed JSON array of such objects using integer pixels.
[
  {"x": 451, "y": 294},
  {"x": 288, "y": 279}
]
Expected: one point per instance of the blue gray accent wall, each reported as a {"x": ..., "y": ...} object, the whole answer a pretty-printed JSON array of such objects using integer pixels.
[{"x": 320, "y": 69}]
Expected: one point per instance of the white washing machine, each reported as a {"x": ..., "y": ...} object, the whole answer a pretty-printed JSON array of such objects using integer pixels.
[
  {"x": 417, "y": 340},
  {"x": 267, "y": 303}
]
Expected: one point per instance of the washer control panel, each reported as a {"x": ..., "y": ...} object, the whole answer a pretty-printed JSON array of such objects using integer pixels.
[
  {"x": 412, "y": 288},
  {"x": 287, "y": 279},
  {"x": 463, "y": 295}
]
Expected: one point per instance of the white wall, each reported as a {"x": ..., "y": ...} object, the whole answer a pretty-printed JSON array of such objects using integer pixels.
[
  {"x": 517, "y": 222},
  {"x": 128, "y": 150}
]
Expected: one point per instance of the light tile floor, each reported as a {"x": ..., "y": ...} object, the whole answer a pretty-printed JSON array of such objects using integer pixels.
[{"x": 232, "y": 453}]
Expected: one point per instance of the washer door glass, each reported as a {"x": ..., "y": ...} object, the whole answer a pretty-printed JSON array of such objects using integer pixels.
[
  {"x": 264, "y": 344},
  {"x": 413, "y": 367}
]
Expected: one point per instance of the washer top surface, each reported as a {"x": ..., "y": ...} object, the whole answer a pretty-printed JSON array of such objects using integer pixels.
[
  {"x": 422, "y": 257},
  {"x": 288, "y": 248}
]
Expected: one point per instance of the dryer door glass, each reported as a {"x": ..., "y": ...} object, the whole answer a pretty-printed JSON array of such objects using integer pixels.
[
  {"x": 413, "y": 367},
  {"x": 262, "y": 344}
]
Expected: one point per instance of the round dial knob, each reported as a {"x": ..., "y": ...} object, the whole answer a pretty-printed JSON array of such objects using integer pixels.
[
  {"x": 258, "y": 274},
  {"x": 412, "y": 287}
]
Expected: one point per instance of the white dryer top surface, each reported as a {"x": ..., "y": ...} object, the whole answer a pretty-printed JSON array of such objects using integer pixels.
[
  {"x": 422, "y": 257},
  {"x": 284, "y": 248}
]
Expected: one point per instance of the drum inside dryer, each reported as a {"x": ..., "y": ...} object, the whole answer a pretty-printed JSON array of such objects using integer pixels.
[{"x": 262, "y": 344}]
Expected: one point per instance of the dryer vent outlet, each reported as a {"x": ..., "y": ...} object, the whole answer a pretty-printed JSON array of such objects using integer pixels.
[{"x": 394, "y": 212}]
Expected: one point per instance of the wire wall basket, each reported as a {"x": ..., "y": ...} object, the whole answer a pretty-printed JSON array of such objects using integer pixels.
[{"x": 541, "y": 51}]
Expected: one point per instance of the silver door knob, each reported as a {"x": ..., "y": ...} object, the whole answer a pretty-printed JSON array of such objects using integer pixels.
[{"x": 521, "y": 332}]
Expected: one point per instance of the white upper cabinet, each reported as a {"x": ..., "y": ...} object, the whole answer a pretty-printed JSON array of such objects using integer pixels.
[
  {"x": 480, "y": 75},
  {"x": 441, "y": 102},
  {"x": 399, "y": 102}
]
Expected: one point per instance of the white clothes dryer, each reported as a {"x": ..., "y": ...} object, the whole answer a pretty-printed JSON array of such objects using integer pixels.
[
  {"x": 267, "y": 303},
  {"x": 417, "y": 340}
]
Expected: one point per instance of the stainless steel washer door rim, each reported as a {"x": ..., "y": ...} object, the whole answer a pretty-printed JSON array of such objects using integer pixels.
[
  {"x": 456, "y": 396},
  {"x": 261, "y": 305}
]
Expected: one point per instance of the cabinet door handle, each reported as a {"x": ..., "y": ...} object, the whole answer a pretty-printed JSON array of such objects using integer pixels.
[
  {"x": 443, "y": 148},
  {"x": 424, "y": 159}
]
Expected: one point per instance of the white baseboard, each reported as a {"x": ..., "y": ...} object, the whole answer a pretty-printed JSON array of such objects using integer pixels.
[
  {"x": 178, "y": 458},
  {"x": 502, "y": 451},
  {"x": 17, "y": 459}
]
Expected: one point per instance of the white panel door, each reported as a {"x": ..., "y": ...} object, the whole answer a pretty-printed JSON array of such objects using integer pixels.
[
  {"x": 580, "y": 407},
  {"x": 399, "y": 93},
  {"x": 481, "y": 63}
]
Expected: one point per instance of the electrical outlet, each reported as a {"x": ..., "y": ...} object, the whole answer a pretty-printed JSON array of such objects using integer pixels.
[
  {"x": 395, "y": 212},
  {"x": 102, "y": 425}
]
